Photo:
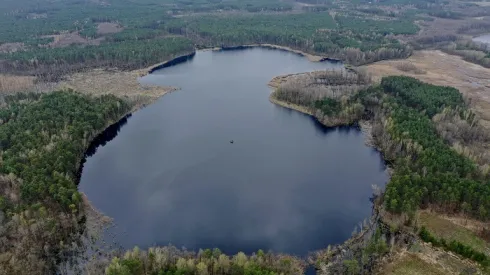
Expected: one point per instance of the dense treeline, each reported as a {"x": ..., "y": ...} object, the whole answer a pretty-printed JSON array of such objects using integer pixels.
[
  {"x": 422, "y": 96},
  {"x": 33, "y": 18},
  {"x": 53, "y": 131},
  {"x": 326, "y": 94},
  {"x": 430, "y": 172},
  {"x": 305, "y": 89},
  {"x": 51, "y": 63},
  {"x": 462, "y": 130},
  {"x": 42, "y": 140},
  {"x": 365, "y": 25},
  {"x": 172, "y": 261},
  {"x": 283, "y": 29},
  {"x": 28, "y": 19},
  {"x": 354, "y": 40}
]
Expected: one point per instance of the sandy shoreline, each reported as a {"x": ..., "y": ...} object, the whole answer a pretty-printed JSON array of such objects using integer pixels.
[{"x": 291, "y": 106}]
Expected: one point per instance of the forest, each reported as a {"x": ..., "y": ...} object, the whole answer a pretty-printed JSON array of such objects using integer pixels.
[
  {"x": 172, "y": 261},
  {"x": 358, "y": 32},
  {"x": 432, "y": 173},
  {"x": 51, "y": 64},
  {"x": 63, "y": 37},
  {"x": 428, "y": 171},
  {"x": 43, "y": 139},
  {"x": 354, "y": 40}
]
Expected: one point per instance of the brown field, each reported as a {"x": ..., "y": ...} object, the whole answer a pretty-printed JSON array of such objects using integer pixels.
[
  {"x": 472, "y": 80},
  {"x": 121, "y": 84},
  {"x": 423, "y": 259},
  {"x": 463, "y": 230},
  {"x": 13, "y": 84},
  {"x": 108, "y": 28},
  {"x": 11, "y": 47},
  {"x": 412, "y": 264},
  {"x": 442, "y": 26},
  {"x": 67, "y": 39},
  {"x": 95, "y": 82},
  {"x": 10, "y": 83}
]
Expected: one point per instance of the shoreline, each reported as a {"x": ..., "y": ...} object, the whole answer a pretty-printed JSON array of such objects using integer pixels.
[
  {"x": 162, "y": 91},
  {"x": 97, "y": 218},
  {"x": 184, "y": 57},
  {"x": 310, "y": 57},
  {"x": 291, "y": 106},
  {"x": 276, "y": 81},
  {"x": 376, "y": 218},
  {"x": 171, "y": 62}
]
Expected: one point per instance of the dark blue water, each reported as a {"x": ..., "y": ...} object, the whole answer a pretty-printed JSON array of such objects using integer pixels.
[{"x": 286, "y": 183}]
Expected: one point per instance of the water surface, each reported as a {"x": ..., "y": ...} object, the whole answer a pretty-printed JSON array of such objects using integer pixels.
[
  {"x": 286, "y": 183},
  {"x": 483, "y": 39}
]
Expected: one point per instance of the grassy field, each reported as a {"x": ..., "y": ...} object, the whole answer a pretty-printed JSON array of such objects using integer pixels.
[
  {"x": 445, "y": 70},
  {"x": 423, "y": 259},
  {"x": 411, "y": 264},
  {"x": 450, "y": 231}
]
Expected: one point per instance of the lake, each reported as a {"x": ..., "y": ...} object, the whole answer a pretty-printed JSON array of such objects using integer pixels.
[
  {"x": 286, "y": 183},
  {"x": 483, "y": 39}
]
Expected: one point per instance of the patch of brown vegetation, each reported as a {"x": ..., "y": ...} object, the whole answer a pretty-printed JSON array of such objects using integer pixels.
[
  {"x": 441, "y": 26},
  {"x": 108, "y": 28},
  {"x": 465, "y": 135},
  {"x": 96, "y": 221},
  {"x": 447, "y": 70},
  {"x": 466, "y": 232},
  {"x": 410, "y": 263},
  {"x": 478, "y": 228},
  {"x": 11, "y": 47},
  {"x": 473, "y": 225},
  {"x": 121, "y": 84},
  {"x": 423, "y": 259},
  {"x": 409, "y": 67},
  {"x": 11, "y": 83},
  {"x": 291, "y": 106},
  {"x": 67, "y": 39},
  {"x": 277, "y": 81}
]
